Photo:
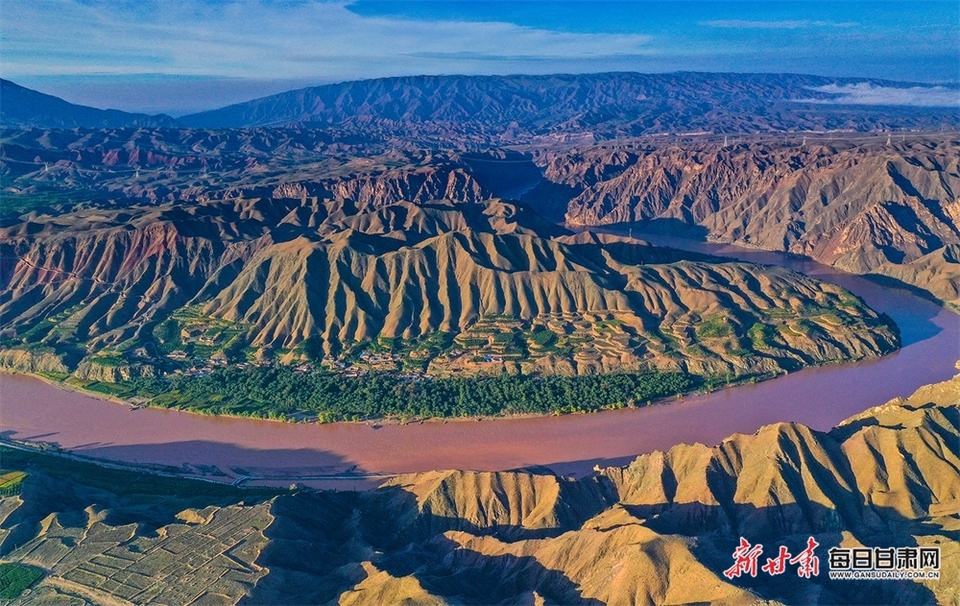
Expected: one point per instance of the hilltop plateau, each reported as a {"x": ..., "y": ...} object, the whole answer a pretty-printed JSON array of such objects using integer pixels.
[{"x": 660, "y": 530}]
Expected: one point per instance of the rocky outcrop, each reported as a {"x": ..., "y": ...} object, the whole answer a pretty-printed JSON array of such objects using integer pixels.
[
  {"x": 417, "y": 187},
  {"x": 789, "y": 479},
  {"x": 26, "y": 360},
  {"x": 855, "y": 207},
  {"x": 92, "y": 370},
  {"x": 505, "y": 503},
  {"x": 937, "y": 272},
  {"x": 107, "y": 275}
]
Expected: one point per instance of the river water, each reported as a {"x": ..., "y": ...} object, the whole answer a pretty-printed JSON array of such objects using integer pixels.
[{"x": 819, "y": 397}]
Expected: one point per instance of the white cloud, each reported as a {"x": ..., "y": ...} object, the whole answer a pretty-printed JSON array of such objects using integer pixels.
[
  {"x": 250, "y": 39},
  {"x": 793, "y": 24},
  {"x": 865, "y": 93}
]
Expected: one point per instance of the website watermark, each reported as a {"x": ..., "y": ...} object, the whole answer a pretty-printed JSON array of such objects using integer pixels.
[
  {"x": 884, "y": 562},
  {"x": 853, "y": 563}
]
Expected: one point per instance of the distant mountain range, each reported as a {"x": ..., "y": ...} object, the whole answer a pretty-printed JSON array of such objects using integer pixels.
[
  {"x": 610, "y": 104},
  {"x": 489, "y": 110},
  {"x": 22, "y": 107}
]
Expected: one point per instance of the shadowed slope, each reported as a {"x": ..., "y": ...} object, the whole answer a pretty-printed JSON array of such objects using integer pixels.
[{"x": 937, "y": 272}]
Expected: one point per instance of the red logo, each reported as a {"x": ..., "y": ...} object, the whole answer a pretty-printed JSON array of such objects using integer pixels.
[
  {"x": 746, "y": 555},
  {"x": 745, "y": 559},
  {"x": 809, "y": 563},
  {"x": 778, "y": 564}
]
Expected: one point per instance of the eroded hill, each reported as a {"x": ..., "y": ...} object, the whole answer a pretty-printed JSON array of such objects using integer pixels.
[
  {"x": 443, "y": 287},
  {"x": 661, "y": 530},
  {"x": 865, "y": 207},
  {"x": 56, "y": 171},
  {"x": 858, "y": 207}
]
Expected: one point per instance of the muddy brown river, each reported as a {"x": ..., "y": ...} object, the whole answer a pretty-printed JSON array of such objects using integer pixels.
[{"x": 280, "y": 453}]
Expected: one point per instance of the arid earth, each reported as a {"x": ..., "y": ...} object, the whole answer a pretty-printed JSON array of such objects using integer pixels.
[{"x": 249, "y": 243}]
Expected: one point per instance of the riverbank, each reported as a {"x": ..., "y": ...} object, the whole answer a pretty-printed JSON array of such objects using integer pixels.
[
  {"x": 602, "y": 392},
  {"x": 697, "y": 386},
  {"x": 569, "y": 444}
]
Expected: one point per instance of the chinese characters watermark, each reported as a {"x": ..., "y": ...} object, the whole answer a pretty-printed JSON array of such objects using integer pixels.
[
  {"x": 843, "y": 562},
  {"x": 746, "y": 555}
]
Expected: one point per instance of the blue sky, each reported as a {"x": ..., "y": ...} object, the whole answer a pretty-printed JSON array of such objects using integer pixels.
[{"x": 178, "y": 56}]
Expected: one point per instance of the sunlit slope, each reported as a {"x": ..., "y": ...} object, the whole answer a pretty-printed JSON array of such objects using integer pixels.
[
  {"x": 861, "y": 204},
  {"x": 280, "y": 272},
  {"x": 517, "y": 504},
  {"x": 898, "y": 459},
  {"x": 661, "y": 530}
]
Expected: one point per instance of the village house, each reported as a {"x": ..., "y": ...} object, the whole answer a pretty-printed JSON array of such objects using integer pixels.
[{"x": 190, "y": 332}]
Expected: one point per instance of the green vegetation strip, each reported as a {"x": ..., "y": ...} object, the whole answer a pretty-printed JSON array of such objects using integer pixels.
[
  {"x": 14, "y": 578},
  {"x": 11, "y": 479},
  {"x": 279, "y": 392},
  {"x": 11, "y": 482}
]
